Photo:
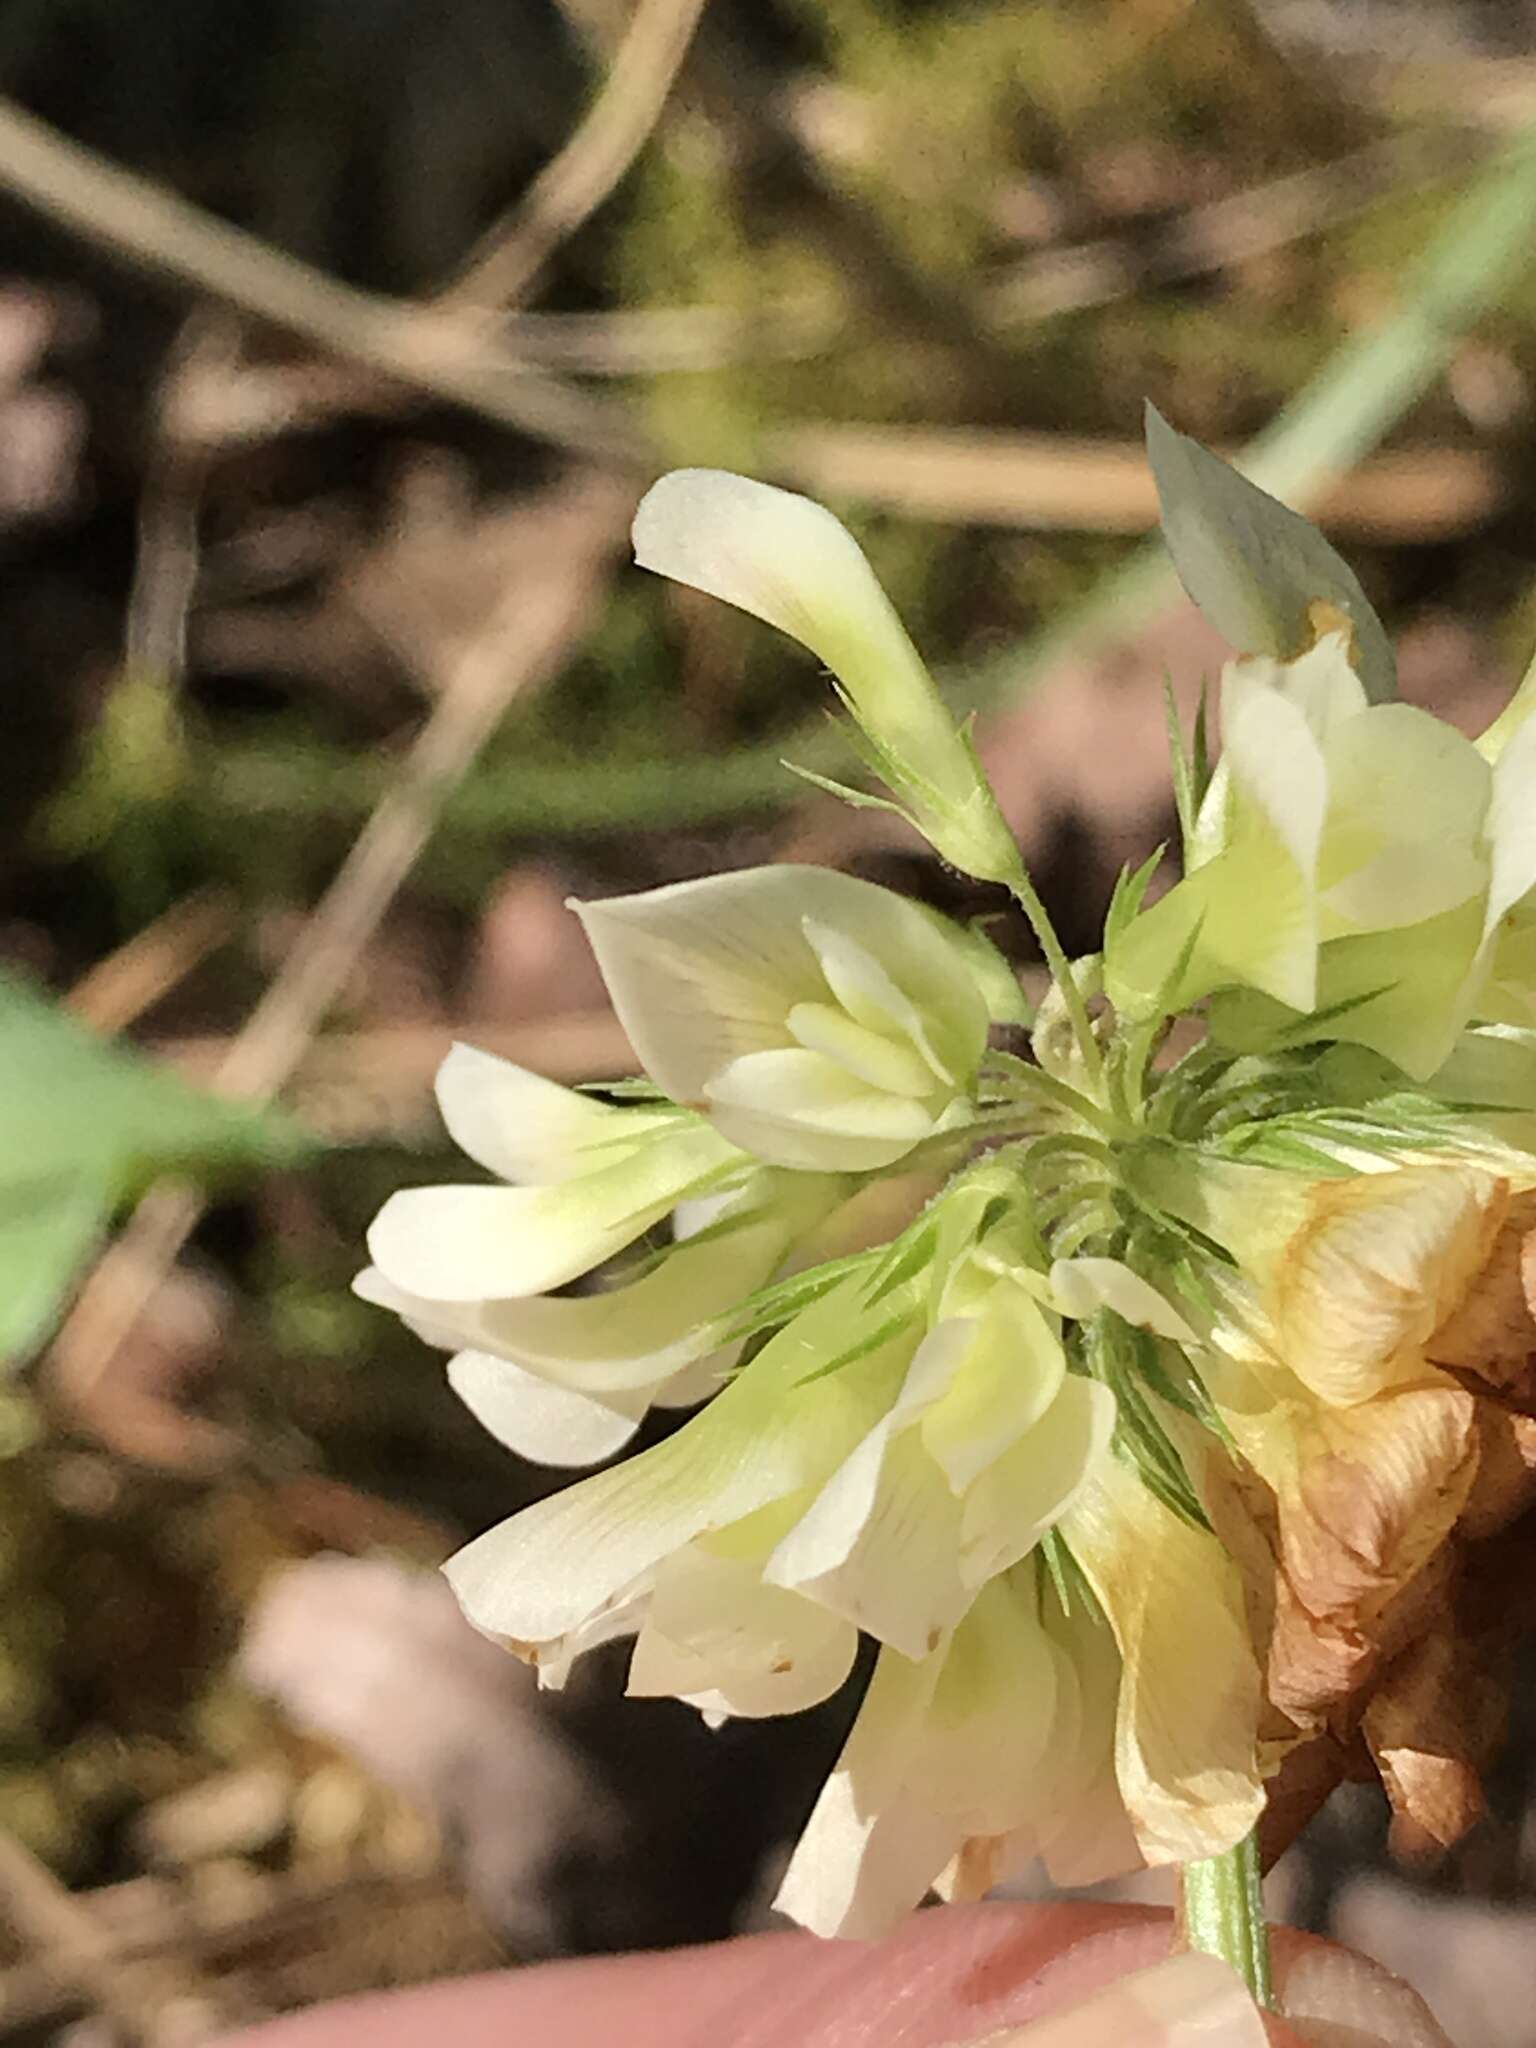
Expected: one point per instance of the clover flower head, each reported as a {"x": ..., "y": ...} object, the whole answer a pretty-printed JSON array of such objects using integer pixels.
[{"x": 1151, "y": 1442}]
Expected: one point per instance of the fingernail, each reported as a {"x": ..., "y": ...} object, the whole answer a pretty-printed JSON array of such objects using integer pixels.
[
  {"x": 1337, "y": 2000},
  {"x": 1190, "y": 2001}
]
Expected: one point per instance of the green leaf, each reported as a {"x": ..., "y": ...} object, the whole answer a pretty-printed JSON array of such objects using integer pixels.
[
  {"x": 85, "y": 1125},
  {"x": 1257, "y": 569}
]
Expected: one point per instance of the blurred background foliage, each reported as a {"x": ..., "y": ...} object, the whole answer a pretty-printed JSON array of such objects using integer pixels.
[{"x": 923, "y": 257}]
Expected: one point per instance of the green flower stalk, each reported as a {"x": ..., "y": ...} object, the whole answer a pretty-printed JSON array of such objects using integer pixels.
[{"x": 1147, "y": 1441}]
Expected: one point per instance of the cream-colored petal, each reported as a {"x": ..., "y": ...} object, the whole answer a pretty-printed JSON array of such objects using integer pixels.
[
  {"x": 1512, "y": 825},
  {"x": 610, "y": 1623},
  {"x": 855, "y": 1873},
  {"x": 1087, "y": 1837},
  {"x": 789, "y": 562},
  {"x": 1406, "y": 993},
  {"x": 1010, "y": 1506},
  {"x": 774, "y": 1430},
  {"x": 881, "y": 1545},
  {"x": 1082, "y": 1286},
  {"x": 1275, "y": 763},
  {"x": 642, "y": 1332},
  {"x": 1011, "y": 1372},
  {"x": 1188, "y": 1714},
  {"x": 1402, "y": 885},
  {"x": 940, "y": 1006},
  {"x": 801, "y": 1109},
  {"x": 948, "y": 1754},
  {"x": 552, "y": 1425},
  {"x": 524, "y": 1128},
  {"x": 490, "y": 1244},
  {"x": 1388, "y": 859},
  {"x": 717, "y": 1636},
  {"x": 1321, "y": 684},
  {"x": 702, "y": 973},
  {"x": 876, "y": 1060},
  {"x": 1248, "y": 915}
]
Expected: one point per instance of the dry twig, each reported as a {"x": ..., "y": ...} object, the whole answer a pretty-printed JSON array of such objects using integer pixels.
[
  {"x": 1041, "y": 482},
  {"x": 522, "y": 644},
  {"x": 1226, "y": 231},
  {"x": 151, "y": 963},
  {"x": 165, "y": 569},
  {"x": 574, "y": 184},
  {"x": 377, "y": 1083},
  {"x": 422, "y": 346}
]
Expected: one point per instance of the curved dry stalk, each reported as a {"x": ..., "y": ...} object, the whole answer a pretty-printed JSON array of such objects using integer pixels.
[
  {"x": 432, "y": 349},
  {"x": 529, "y": 635},
  {"x": 574, "y": 184}
]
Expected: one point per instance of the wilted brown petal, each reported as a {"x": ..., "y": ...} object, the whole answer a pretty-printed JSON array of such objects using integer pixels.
[
  {"x": 1433, "y": 1725},
  {"x": 1378, "y": 1490},
  {"x": 1492, "y": 1331},
  {"x": 1381, "y": 1262},
  {"x": 1505, "y": 1485}
]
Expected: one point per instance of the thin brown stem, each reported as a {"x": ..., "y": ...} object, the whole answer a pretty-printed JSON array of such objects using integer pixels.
[
  {"x": 575, "y": 183},
  {"x": 523, "y": 643},
  {"x": 432, "y": 349}
]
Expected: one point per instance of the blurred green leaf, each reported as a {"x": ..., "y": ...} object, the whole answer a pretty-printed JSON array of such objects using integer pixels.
[{"x": 84, "y": 1126}]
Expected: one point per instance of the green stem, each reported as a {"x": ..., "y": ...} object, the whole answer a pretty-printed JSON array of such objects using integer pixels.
[
  {"x": 1221, "y": 1912},
  {"x": 1028, "y": 899}
]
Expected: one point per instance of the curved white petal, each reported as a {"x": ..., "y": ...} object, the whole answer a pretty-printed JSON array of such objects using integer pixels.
[
  {"x": 1089, "y": 1836},
  {"x": 524, "y": 1128},
  {"x": 855, "y": 1871},
  {"x": 879, "y": 1061},
  {"x": 1275, "y": 762},
  {"x": 1084, "y": 1285},
  {"x": 789, "y": 562},
  {"x": 773, "y": 1431},
  {"x": 1009, "y": 1507},
  {"x": 703, "y": 973},
  {"x": 716, "y": 1636},
  {"x": 1190, "y": 1693},
  {"x": 1403, "y": 885},
  {"x": 645, "y": 1332},
  {"x": 550, "y": 1424},
  {"x": 941, "y": 1007},
  {"x": 1320, "y": 683},
  {"x": 1011, "y": 1372},
  {"x": 1248, "y": 916},
  {"x": 881, "y": 1545},
  {"x": 1429, "y": 843},
  {"x": 873, "y": 1846},
  {"x": 948, "y": 1752},
  {"x": 799, "y": 1108},
  {"x": 490, "y": 1244}
]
